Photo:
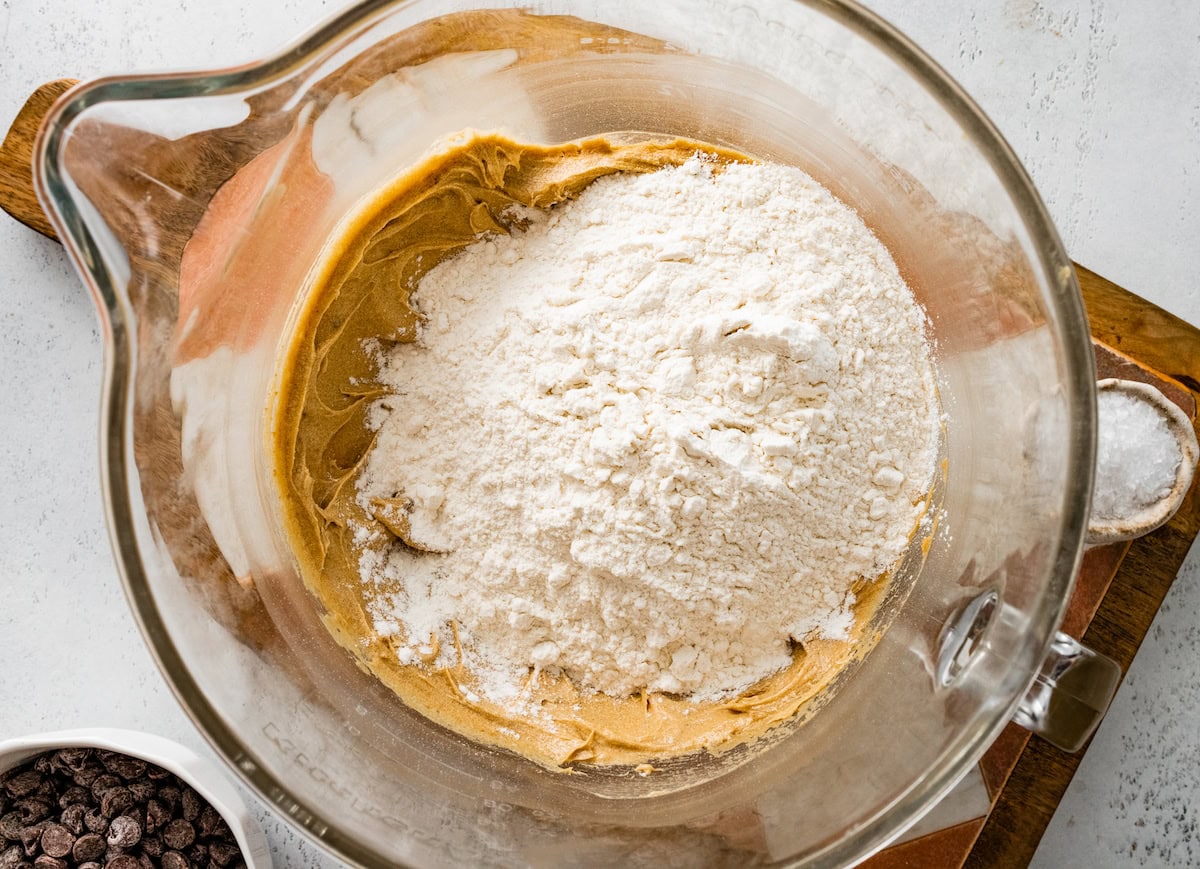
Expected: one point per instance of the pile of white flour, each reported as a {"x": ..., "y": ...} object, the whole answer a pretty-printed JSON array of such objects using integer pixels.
[{"x": 658, "y": 434}]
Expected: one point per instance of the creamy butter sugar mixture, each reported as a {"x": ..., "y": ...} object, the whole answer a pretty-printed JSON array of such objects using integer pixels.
[{"x": 651, "y": 440}]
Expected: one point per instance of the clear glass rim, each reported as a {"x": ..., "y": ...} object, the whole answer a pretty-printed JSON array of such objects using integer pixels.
[{"x": 119, "y": 474}]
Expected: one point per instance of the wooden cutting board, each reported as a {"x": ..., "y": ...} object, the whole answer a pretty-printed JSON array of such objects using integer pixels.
[{"x": 1120, "y": 587}]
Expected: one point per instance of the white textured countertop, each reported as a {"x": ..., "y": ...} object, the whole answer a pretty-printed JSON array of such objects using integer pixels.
[{"x": 1100, "y": 99}]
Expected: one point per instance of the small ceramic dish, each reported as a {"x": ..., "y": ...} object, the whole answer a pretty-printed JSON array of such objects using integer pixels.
[
  {"x": 1146, "y": 518},
  {"x": 208, "y": 781}
]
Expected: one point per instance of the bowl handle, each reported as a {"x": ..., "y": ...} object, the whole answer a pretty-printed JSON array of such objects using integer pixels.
[
  {"x": 17, "y": 195},
  {"x": 1070, "y": 695}
]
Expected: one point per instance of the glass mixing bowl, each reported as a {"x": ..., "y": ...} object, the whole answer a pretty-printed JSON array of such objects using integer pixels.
[{"x": 195, "y": 206}]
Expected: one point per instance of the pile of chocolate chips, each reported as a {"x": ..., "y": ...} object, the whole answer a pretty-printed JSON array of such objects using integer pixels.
[{"x": 88, "y": 808}]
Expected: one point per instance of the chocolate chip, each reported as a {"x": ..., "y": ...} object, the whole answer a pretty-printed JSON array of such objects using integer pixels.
[
  {"x": 192, "y": 804},
  {"x": 72, "y": 758},
  {"x": 23, "y": 783},
  {"x": 123, "y": 765},
  {"x": 123, "y": 861},
  {"x": 223, "y": 853},
  {"x": 174, "y": 860},
  {"x": 124, "y": 832},
  {"x": 72, "y": 819},
  {"x": 153, "y": 846},
  {"x": 168, "y": 795},
  {"x": 142, "y": 790},
  {"x": 129, "y": 768},
  {"x": 45, "y": 861},
  {"x": 86, "y": 776},
  {"x": 156, "y": 815},
  {"x": 31, "y": 838},
  {"x": 95, "y": 822},
  {"x": 10, "y": 825},
  {"x": 206, "y": 824},
  {"x": 116, "y": 801},
  {"x": 88, "y": 847},
  {"x": 222, "y": 831},
  {"x": 102, "y": 784},
  {"x": 32, "y": 809},
  {"x": 57, "y": 840},
  {"x": 74, "y": 795},
  {"x": 178, "y": 834}
]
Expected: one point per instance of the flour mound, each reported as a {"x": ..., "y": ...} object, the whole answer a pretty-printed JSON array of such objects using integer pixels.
[{"x": 659, "y": 434}]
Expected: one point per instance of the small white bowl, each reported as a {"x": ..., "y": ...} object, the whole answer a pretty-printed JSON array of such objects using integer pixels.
[
  {"x": 208, "y": 781},
  {"x": 1112, "y": 529}
]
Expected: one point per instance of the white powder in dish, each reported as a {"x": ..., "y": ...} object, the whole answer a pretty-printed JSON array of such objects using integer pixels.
[
  {"x": 1137, "y": 456},
  {"x": 657, "y": 435}
]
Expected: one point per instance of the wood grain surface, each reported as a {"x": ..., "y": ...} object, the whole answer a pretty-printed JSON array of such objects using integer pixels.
[
  {"x": 16, "y": 158},
  {"x": 1028, "y": 800}
]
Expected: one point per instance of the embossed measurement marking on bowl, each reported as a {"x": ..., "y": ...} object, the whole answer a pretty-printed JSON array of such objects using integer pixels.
[{"x": 345, "y": 526}]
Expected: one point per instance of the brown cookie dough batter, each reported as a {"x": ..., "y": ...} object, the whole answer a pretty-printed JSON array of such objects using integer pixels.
[{"x": 327, "y": 382}]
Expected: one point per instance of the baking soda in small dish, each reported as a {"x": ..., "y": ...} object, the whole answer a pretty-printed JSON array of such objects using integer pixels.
[{"x": 1137, "y": 456}]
